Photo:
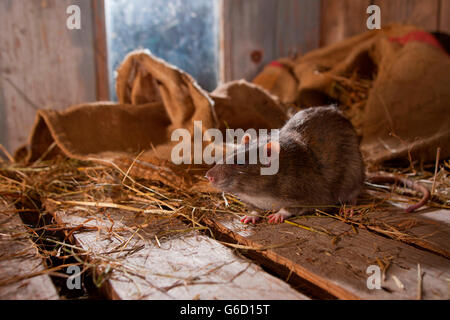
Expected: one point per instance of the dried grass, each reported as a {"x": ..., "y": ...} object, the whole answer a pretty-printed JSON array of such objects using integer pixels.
[{"x": 106, "y": 192}]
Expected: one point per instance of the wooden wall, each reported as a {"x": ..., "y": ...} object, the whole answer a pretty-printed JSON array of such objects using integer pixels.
[
  {"x": 43, "y": 64},
  {"x": 444, "y": 18},
  {"x": 276, "y": 28},
  {"x": 345, "y": 18},
  {"x": 341, "y": 19},
  {"x": 255, "y": 32}
]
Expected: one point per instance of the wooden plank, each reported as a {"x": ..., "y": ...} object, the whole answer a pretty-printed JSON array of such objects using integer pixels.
[
  {"x": 421, "y": 13},
  {"x": 171, "y": 266},
  {"x": 341, "y": 19},
  {"x": 339, "y": 263},
  {"x": 428, "y": 228},
  {"x": 22, "y": 274},
  {"x": 43, "y": 64},
  {"x": 255, "y": 32},
  {"x": 101, "y": 51},
  {"x": 444, "y": 19}
]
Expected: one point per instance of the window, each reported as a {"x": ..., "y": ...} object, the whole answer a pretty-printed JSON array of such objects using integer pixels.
[{"x": 184, "y": 33}]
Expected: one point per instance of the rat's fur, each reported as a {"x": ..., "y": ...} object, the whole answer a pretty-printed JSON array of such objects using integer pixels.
[{"x": 320, "y": 164}]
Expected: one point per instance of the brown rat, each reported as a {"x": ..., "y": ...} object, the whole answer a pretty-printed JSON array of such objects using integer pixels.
[{"x": 320, "y": 164}]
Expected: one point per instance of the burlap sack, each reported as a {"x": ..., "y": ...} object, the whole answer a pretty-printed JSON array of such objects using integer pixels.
[
  {"x": 406, "y": 110},
  {"x": 279, "y": 78}
]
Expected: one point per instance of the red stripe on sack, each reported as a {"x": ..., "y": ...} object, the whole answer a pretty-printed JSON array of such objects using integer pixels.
[
  {"x": 276, "y": 64},
  {"x": 420, "y": 36}
]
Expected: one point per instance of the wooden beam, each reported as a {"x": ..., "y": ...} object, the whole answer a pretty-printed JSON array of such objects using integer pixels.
[
  {"x": 421, "y": 13},
  {"x": 146, "y": 264},
  {"x": 341, "y": 19},
  {"x": 22, "y": 272},
  {"x": 101, "y": 51},
  {"x": 335, "y": 257}
]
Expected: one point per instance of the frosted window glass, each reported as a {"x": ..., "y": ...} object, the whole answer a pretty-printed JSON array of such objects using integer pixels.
[{"x": 181, "y": 32}]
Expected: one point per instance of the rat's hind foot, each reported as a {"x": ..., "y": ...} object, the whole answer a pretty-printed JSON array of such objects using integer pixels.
[
  {"x": 249, "y": 219},
  {"x": 253, "y": 218},
  {"x": 279, "y": 216}
]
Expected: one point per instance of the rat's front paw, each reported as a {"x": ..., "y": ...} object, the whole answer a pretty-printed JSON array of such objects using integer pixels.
[
  {"x": 279, "y": 216},
  {"x": 276, "y": 218},
  {"x": 251, "y": 219}
]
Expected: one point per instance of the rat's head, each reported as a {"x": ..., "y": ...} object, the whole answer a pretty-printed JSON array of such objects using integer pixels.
[{"x": 248, "y": 167}]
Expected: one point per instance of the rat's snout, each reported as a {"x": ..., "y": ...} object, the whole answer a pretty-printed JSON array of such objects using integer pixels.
[
  {"x": 214, "y": 175},
  {"x": 209, "y": 176},
  {"x": 220, "y": 177}
]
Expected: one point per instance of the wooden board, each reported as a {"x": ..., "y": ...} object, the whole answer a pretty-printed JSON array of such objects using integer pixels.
[
  {"x": 21, "y": 267},
  {"x": 421, "y": 13},
  {"x": 341, "y": 19},
  {"x": 444, "y": 19},
  {"x": 178, "y": 266},
  {"x": 338, "y": 263},
  {"x": 428, "y": 228},
  {"x": 43, "y": 64},
  {"x": 269, "y": 28}
]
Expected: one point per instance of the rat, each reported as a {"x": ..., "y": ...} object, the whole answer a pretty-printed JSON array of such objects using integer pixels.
[{"x": 320, "y": 165}]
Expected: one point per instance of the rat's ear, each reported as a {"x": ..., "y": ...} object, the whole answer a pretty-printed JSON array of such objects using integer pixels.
[
  {"x": 272, "y": 147},
  {"x": 246, "y": 139}
]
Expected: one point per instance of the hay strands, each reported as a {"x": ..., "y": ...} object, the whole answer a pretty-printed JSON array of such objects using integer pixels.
[{"x": 113, "y": 206}]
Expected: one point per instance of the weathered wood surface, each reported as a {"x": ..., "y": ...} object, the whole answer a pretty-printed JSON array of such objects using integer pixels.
[
  {"x": 297, "y": 27},
  {"x": 427, "y": 227},
  {"x": 43, "y": 64},
  {"x": 421, "y": 13},
  {"x": 269, "y": 29},
  {"x": 179, "y": 265},
  {"x": 444, "y": 19},
  {"x": 338, "y": 263},
  {"x": 22, "y": 275},
  {"x": 341, "y": 19}
]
